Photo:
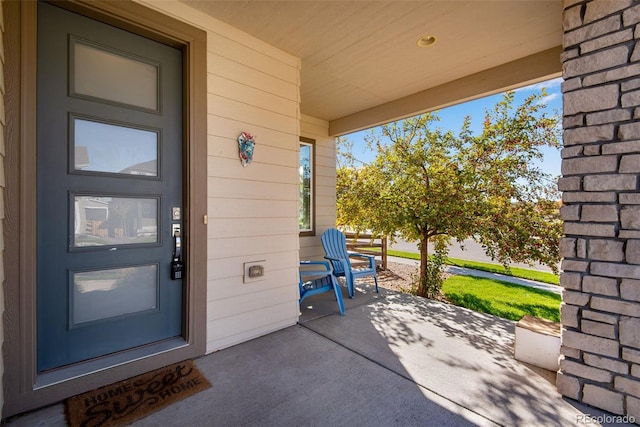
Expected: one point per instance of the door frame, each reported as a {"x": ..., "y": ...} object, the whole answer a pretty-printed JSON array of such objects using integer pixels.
[{"x": 24, "y": 388}]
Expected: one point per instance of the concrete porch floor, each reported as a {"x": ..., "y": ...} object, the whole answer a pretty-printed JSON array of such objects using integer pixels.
[{"x": 392, "y": 360}]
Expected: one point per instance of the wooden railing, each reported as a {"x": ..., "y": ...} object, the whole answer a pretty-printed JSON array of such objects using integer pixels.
[{"x": 365, "y": 244}]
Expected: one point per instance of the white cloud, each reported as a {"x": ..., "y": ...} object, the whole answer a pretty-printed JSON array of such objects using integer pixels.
[
  {"x": 547, "y": 99},
  {"x": 551, "y": 97}
]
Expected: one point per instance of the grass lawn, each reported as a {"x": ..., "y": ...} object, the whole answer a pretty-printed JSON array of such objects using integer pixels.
[{"x": 501, "y": 299}]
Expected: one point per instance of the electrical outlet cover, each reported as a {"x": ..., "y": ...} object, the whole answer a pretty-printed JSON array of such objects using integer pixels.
[{"x": 246, "y": 277}]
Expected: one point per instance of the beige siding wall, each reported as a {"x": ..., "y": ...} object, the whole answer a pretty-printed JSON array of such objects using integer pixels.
[
  {"x": 2, "y": 186},
  {"x": 325, "y": 185},
  {"x": 252, "y": 87}
]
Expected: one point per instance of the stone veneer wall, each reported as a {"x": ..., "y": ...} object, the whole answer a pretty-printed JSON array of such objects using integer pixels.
[{"x": 600, "y": 362}]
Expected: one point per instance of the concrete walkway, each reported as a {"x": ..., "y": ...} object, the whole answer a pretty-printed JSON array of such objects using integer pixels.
[
  {"x": 392, "y": 360},
  {"x": 478, "y": 273}
]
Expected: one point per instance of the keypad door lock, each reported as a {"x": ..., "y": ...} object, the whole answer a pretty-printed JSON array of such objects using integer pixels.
[
  {"x": 177, "y": 268},
  {"x": 177, "y": 265}
]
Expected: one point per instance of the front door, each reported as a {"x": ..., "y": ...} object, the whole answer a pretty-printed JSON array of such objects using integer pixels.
[{"x": 109, "y": 189}]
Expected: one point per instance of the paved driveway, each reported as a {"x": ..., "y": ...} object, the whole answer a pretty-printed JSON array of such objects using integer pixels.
[{"x": 472, "y": 251}]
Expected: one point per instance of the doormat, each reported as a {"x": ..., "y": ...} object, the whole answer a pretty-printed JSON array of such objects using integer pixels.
[{"x": 126, "y": 401}]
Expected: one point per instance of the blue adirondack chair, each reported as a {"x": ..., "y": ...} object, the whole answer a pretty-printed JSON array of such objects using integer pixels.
[
  {"x": 318, "y": 280},
  {"x": 335, "y": 248}
]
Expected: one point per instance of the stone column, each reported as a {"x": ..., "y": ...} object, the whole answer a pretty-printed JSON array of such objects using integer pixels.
[{"x": 600, "y": 361}]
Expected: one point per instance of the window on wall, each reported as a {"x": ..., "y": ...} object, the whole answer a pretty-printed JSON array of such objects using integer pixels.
[{"x": 306, "y": 173}]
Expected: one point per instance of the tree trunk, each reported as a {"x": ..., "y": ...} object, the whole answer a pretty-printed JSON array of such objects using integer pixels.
[{"x": 423, "y": 290}]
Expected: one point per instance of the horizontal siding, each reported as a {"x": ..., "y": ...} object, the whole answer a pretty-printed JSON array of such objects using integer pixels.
[
  {"x": 220, "y": 167},
  {"x": 253, "y": 115},
  {"x": 312, "y": 126},
  {"x": 229, "y": 188},
  {"x": 247, "y": 208},
  {"x": 252, "y": 87},
  {"x": 228, "y": 332},
  {"x": 253, "y": 294},
  {"x": 240, "y": 92},
  {"x": 237, "y": 72},
  {"x": 229, "y": 307},
  {"x": 325, "y": 186},
  {"x": 252, "y": 247},
  {"x": 234, "y": 49},
  {"x": 223, "y": 130},
  {"x": 219, "y": 269},
  {"x": 275, "y": 152},
  {"x": 224, "y": 290},
  {"x": 219, "y": 228}
]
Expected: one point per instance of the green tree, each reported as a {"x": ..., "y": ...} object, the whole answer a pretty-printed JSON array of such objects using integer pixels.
[{"x": 435, "y": 186}]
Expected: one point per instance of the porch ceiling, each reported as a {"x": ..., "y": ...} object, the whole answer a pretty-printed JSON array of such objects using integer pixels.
[{"x": 361, "y": 65}]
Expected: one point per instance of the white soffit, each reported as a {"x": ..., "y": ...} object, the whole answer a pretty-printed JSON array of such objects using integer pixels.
[{"x": 361, "y": 65}]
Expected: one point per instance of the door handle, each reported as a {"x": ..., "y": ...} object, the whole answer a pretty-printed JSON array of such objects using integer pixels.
[{"x": 177, "y": 244}]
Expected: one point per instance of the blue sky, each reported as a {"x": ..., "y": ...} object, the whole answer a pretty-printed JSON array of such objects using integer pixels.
[{"x": 451, "y": 119}]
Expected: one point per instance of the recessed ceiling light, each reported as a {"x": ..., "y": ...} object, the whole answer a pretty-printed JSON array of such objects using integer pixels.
[{"x": 425, "y": 41}]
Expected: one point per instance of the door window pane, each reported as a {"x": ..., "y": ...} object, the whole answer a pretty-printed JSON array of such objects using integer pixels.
[
  {"x": 104, "y": 74},
  {"x": 102, "y": 294},
  {"x": 102, "y": 147},
  {"x": 109, "y": 221}
]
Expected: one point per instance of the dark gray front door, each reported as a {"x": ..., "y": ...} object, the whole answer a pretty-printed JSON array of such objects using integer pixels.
[{"x": 109, "y": 189}]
